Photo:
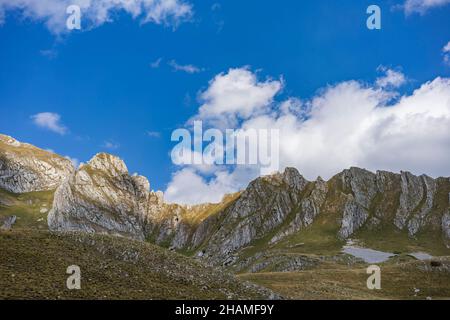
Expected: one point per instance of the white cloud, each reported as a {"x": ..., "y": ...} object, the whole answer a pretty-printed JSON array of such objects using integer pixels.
[
  {"x": 98, "y": 12},
  {"x": 189, "y": 187},
  {"x": 50, "y": 121},
  {"x": 446, "y": 48},
  {"x": 153, "y": 134},
  {"x": 236, "y": 95},
  {"x": 391, "y": 78},
  {"x": 446, "y": 53},
  {"x": 111, "y": 145},
  {"x": 216, "y": 6},
  {"x": 344, "y": 125},
  {"x": 49, "y": 53},
  {"x": 155, "y": 64},
  {"x": 188, "y": 68},
  {"x": 422, "y": 6}
]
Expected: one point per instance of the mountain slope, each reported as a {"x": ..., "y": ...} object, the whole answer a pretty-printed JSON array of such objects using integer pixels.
[
  {"x": 25, "y": 168},
  {"x": 275, "y": 210},
  {"x": 33, "y": 266}
]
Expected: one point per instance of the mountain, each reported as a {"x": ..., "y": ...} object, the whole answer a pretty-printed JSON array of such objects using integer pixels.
[
  {"x": 100, "y": 197},
  {"x": 25, "y": 168},
  {"x": 279, "y": 223},
  {"x": 275, "y": 209}
]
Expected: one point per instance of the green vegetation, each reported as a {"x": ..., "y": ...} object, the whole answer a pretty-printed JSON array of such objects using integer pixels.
[
  {"x": 319, "y": 238},
  {"x": 33, "y": 265},
  {"x": 399, "y": 280},
  {"x": 393, "y": 240},
  {"x": 31, "y": 208}
]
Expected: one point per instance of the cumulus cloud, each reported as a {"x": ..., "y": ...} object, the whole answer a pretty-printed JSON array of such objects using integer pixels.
[
  {"x": 391, "y": 78},
  {"x": 189, "y": 187},
  {"x": 422, "y": 6},
  {"x": 188, "y": 68},
  {"x": 97, "y": 12},
  {"x": 237, "y": 94},
  {"x": 50, "y": 121},
  {"x": 346, "y": 124}
]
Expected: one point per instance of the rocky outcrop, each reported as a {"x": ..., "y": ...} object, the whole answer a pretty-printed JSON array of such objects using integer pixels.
[
  {"x": 102, "y": 197},
  {"x": 8, "y": 223},
  {"x": 446, "y": 227},
  {"x": 353, "y": 217},
  {"x": 410, "y": 198},
  {"x": 258, "y": 211},
  {"x": 25, "y": 168},
  {"x": 309, "y": 208}
]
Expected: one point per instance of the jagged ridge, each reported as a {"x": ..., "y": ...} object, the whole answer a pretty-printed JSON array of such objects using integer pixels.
[{"x": 101, "y": 197}]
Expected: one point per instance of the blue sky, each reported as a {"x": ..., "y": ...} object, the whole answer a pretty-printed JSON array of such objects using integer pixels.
[{"x": 102, "y": 84}]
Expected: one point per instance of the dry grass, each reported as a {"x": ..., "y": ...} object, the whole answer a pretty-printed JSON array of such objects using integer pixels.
[
  {"x": 33, "y": 266},
  {"x": 398, "y": 281}
]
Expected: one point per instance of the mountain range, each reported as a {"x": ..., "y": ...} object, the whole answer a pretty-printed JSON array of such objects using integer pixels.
[{"x": 278, "y": 223}]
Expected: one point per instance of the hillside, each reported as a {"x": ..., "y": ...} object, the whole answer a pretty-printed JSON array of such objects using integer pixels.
[{"x": 33, "y": 266}]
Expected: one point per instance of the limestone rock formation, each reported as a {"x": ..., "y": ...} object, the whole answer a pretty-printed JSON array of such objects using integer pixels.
[
  {"x": 102, "y": 197},
  {"x": 25, "y": 168},
  {"x": 8, "y": 223},
  {"x": 283, "y": 204},
  {"x": 259, "y": 210}
]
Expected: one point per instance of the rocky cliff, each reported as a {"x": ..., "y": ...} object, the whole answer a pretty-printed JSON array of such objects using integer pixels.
[
  {"x": 102, "y": 197},
  {"x": 25, "y": 168},
  {"x": 276, "y": 207}
]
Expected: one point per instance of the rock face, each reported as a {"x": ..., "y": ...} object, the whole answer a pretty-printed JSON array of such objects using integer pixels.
[
  {"x": 102, "y": 197},
  {"x": 8, "y": 223},
  {"x": 265, "y": 205},
  {"x": 25, "y": 168},
  {"x": 275, "y": 207}
]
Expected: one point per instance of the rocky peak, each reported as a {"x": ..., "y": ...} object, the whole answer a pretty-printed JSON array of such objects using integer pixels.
[
  {"x": 102, "y": 197},
  {"x": 25, "y": 168},
  {"x": 142, "y": 184},
  {"x": 294, "y": 179},
  {"x": 109, "y": 164},
  {"x": 9, "y": 141}
]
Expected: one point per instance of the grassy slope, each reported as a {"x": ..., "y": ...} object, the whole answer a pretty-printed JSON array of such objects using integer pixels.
[
  {"x": 27, "y": 208},
  {"x": 33, "y": 265},
  {"x": 398, "y": 281},
  {"x": 33, "y": 262}
]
